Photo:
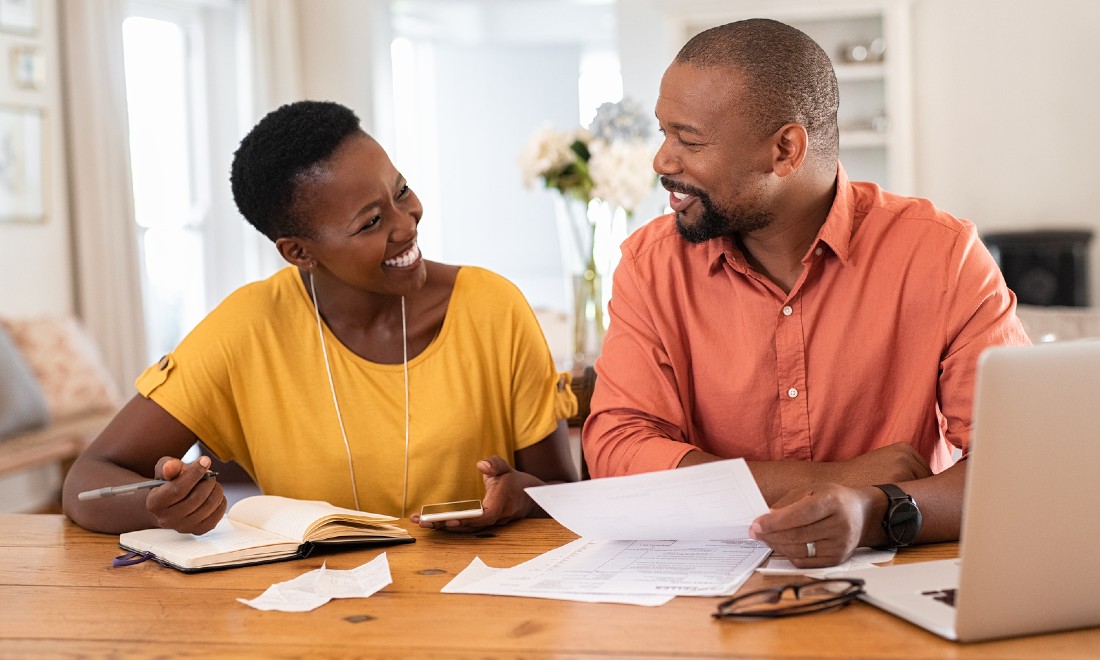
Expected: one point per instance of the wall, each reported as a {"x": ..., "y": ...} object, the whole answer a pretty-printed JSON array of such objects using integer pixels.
[
  {"x": 337, "y": 52},
  {"x": 488, "y": 218},
  {"x": 36, "y": 271},
  {"x": 1006, "y": 107}
]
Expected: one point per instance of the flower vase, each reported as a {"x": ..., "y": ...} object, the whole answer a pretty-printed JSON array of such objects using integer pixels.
[
  {"x": 577, "y": 231},
  {"x": 588, "y": 318}
]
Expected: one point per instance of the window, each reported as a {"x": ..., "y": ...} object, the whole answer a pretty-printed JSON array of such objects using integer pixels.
[
  {"x": 175, "y": 117},
  {"x": 599, "y": 81},
  {"x": 169, "y": 210}
]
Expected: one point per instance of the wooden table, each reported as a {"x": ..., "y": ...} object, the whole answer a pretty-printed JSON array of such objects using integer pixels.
[{"x": 59, "y": 596}]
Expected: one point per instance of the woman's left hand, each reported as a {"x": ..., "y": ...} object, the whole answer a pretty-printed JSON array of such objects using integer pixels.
[{"x": 504, "y": 500}]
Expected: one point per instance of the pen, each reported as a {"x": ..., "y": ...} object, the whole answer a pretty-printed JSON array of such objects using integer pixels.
[{"x": 111, "y": 491}]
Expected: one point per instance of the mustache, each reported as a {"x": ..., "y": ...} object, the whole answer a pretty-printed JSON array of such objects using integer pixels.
[{"x": 674, "y": 186}]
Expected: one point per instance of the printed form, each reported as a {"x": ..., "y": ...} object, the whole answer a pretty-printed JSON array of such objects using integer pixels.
[{"x": 644, "y": 538}]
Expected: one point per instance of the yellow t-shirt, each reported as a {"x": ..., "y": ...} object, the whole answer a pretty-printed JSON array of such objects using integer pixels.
[{"x": 250, "y": 382}]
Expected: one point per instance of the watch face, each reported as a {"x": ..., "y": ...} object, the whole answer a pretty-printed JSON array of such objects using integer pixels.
[{"x": 905, "y": 523}]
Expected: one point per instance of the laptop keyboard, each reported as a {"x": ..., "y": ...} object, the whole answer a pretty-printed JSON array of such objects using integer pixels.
[{"x": 945, "y": 596}]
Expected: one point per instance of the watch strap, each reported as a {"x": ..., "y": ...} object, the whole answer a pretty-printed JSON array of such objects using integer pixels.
[{"x": 894, "y": 493}]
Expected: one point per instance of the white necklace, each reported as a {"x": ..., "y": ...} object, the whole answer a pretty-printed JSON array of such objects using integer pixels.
[{"x": 336, "y": 403}]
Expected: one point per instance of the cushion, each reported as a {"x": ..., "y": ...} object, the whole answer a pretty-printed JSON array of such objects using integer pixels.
[
  {"x": 66, "y": 363},
  {"x": 22, "y": 406}
]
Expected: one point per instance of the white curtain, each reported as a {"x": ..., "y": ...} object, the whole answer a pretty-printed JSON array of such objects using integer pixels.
[
  {"x": 108, "y": 271},
  {"x": 274, "y": 66},
  {"x": 108, "y": 275},
  {"x": 275, "y": 62}
]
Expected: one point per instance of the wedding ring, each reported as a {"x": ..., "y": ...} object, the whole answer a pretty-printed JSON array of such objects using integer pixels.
[{"x": 811, "y": 550}]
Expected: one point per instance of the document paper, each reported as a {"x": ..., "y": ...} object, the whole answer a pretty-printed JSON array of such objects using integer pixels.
[
  {"x": 709, "y": 502},
  {"x": 677, "y": 532},
  {"x": 475, "y": 579}
]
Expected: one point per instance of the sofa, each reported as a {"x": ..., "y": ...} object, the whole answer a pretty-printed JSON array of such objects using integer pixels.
[
  {"x": 56, "y": 396},
  {"x": 1044, "y": 324}
]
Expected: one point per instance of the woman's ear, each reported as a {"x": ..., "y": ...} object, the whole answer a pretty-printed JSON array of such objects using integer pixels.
[{"x": 295, "y": 253}]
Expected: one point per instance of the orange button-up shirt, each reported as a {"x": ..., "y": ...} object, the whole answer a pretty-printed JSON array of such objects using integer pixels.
[{"x": 876, "y": 343}]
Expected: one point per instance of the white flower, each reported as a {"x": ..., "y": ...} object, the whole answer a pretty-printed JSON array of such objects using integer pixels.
[
  {"x": 547, "y": 151},
  {"x": 612, "y": 162},
  {"x": 622, "y": 172},
  {"x": 622, "y": 120}
]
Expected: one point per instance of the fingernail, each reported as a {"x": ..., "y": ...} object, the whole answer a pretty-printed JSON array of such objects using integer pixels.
[
  {"x": 754, "y": 529},
  {"x": 484, "y": 464},
  {"x": 204, "y": 461}
]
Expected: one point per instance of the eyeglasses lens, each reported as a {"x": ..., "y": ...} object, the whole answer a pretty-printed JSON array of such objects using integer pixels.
[
  {"x": 824, "y": 589},
  {"x": 791, "y": 600},
  {"x": 760, "y": 600}
]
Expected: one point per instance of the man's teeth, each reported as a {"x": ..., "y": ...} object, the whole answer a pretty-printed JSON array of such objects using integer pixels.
[
  {"x": 402, "y": 260},
  {"x": 680, "y": 196}
]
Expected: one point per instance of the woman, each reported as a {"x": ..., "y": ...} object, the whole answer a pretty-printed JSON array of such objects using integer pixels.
[{"x": 361, "y": 375}]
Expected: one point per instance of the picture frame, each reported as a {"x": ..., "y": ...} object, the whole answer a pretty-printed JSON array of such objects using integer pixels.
[
  {"x": 19, "y": 16},
  {"x": 22, "y": 172},
  {"x": 28, "y": 68}
]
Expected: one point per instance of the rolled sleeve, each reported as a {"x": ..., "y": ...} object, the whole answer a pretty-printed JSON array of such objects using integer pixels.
[
  {"x": 982, "y": 314},
  {"x": 637, "y": 421}
]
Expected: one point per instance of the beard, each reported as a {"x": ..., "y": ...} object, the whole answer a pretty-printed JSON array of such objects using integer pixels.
[{"x": 716, "y": 221}]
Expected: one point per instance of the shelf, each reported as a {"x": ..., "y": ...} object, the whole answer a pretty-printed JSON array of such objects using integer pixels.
[
  {"x": 863, "y": 139},
  {"x": 846, "y": 72}
]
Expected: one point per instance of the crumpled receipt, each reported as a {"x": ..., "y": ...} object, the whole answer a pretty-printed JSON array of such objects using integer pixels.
[{"x": 311, "y": 590}]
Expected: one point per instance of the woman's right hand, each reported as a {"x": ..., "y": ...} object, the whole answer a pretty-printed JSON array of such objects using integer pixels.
[{"x": 188, "y": 503}]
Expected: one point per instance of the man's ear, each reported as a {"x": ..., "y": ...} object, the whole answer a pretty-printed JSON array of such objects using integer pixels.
[
  {"x": 294, "y": 252},
  {"x": 791, "y": 142}
]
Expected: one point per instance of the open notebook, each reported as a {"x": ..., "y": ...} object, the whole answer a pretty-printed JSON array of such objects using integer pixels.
[
  {"x": 1027, "y": 551},
  {"x": 262, "y": 529}
]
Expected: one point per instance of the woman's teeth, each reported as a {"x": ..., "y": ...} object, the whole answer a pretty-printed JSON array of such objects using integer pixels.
[{"x": 406, "y": 259}]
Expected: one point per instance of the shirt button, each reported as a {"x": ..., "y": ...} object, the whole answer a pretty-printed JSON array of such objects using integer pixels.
[
  {"x": 818, "y": 251},
  {"x": 787, "y": 311},
  {"x": 792, "y": 392}
]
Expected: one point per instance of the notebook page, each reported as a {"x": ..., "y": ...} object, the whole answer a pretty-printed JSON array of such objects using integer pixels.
[
  {"x": 226, "y": 541},
  {"x": 293, "y": 518}
]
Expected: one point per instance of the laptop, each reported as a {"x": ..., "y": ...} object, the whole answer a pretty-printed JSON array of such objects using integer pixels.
[{"x": 1031, "y": 515}]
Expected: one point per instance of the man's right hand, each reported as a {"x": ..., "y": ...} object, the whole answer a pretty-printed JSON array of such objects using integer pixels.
[
  {"x": 894, "y": 463},
  {"x": 188, "y": 503}
]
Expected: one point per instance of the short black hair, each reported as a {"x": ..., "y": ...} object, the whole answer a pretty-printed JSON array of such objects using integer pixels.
[
  {"x": 788, "y": 77},
  {"x": 279, "y": 150}
]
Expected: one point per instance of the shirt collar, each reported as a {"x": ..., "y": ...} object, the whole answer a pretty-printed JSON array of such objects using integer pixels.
[
  {"x": 723, "y": 249},
  {"x": 836, "y": 232}
]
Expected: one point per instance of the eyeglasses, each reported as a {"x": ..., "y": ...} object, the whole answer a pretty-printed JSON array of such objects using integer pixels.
[{"x": 807, "y": 598}]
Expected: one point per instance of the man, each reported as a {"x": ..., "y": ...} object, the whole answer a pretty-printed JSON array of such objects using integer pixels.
[{"x": 825, "y": 330}]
